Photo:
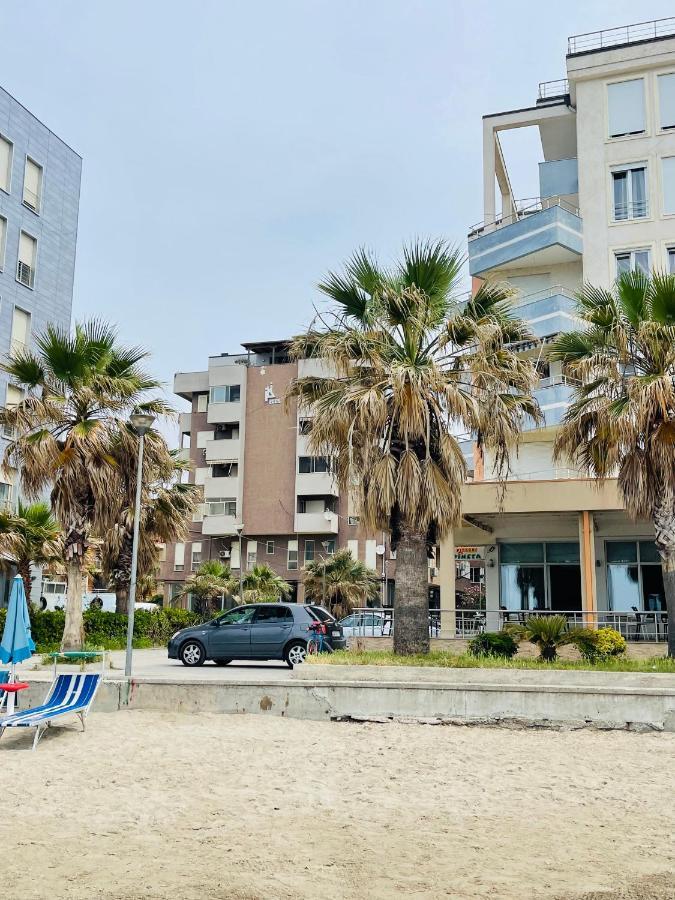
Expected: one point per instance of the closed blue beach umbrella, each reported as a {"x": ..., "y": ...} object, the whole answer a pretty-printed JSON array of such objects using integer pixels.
[{"x": 17, "y": 643}]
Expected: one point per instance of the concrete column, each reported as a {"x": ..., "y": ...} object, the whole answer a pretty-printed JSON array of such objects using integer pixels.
[
  {"x": 589, "y": 594},
  {"x": 491, "y": 589},
  {"x": 446, "y": 580},
  {"x": 488, "y": 173}
]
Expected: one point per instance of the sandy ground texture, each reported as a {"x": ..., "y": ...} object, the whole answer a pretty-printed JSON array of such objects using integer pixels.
[{"x": 155, "y": 805}]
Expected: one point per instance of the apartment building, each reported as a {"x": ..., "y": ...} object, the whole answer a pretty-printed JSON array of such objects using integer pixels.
[
  {"x": 39, "y": 204},
  {"x": 606, "y": 204},
  {"x": 266, "y": 497}
]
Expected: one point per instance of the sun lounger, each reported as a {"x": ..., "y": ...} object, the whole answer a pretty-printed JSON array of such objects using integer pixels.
[{"x": 69, "y": 695}]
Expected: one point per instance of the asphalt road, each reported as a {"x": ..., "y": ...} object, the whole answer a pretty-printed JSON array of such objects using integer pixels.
[{"x": 155, "y": 664}]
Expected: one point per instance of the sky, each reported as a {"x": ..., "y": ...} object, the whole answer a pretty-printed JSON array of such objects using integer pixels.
[{"x": 234, "y": 152}]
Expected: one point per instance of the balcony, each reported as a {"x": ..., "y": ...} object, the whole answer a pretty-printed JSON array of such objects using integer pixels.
[
  {"x": 223, "y": 412},
  {"x": 638, "y": 33},
  {"x": 548, "y": 312},
  {"x": 316, "y": 523},
  {"x": 183, "y": 455},
  {"x": 220, "y": 487},
  {"x": 225, "y": 450},
  {"x": 316, "y": 484},
  {"x": 220, "y": 525},
  {"x": 554, "y": 395},
  {"x": 540, "y": 232}
]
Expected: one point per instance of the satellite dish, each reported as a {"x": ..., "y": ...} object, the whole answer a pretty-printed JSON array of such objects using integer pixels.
[{"x": 379, "y": 549}]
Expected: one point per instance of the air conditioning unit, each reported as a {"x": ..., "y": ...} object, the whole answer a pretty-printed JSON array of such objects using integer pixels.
[
  {"x": 224, "y": 554},
  {"x": 433, "y": 571}
]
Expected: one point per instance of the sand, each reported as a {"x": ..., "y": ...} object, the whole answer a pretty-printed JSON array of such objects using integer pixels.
[{"x": 150, "y": 805}]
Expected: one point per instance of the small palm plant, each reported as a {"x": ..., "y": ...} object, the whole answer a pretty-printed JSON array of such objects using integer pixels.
[
  {"x": 31, "y": 535},
  {"x": 342, "y": 582},
  {"x": 209, "y": 585},
  {"x": 547, "y": 632},
  {"x": 263, "y": 585}
]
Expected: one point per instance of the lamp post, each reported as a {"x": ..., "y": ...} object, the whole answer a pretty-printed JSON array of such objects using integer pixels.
[
  {"x": 240, "y": 531},
  {"x": 141, "y": 423}
]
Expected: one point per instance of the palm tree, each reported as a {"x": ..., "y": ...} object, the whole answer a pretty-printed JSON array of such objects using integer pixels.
[
  {"x": 77, "y": 390},
  {"x": 263, "y": 585},
  {"x": 30, "y": 536},
  {"x": 622, "y": 421},
  {"x": 547, "y": 632},
  {"x": 167, "y": 506},
  {"x": 341, "y": 581},
  {"x": 213, "y": 581},
  {"x": 411, "y": 368}
]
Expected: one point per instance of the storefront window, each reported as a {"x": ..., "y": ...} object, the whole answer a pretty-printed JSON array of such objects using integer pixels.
[
  {"x": 634, "y": 578},
  {"x": 540, "y": 576}
]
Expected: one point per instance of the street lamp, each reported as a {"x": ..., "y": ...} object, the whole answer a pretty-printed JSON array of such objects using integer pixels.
[
  {"x": 141, "y": 423},
  {"x": 240, "y": 530}
]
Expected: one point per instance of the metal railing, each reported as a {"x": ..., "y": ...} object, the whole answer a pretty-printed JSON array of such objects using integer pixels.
[
  {"x": 31, "y": 199},
  {"x": 637, "y": 209},
  {"x": 554, "y": 291},
  {"x": 25, "y": 274},
  {"x": 552, "y": 474},
  {"x": 550, "y": 89},
  {"x": 375, "y": 622},
  {"x": 633, "y": 626},
  {"x": 553, "y": 380},
  {"x": 615, "y": 37},
  {"x": 524, "y": 208}
]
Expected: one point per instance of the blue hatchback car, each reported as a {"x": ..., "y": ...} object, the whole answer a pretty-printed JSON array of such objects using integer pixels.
[{"x": 256, "y": 631}]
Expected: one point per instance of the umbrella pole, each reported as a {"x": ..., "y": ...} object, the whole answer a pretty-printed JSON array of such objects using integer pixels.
[{"x": 10, "y": 698}]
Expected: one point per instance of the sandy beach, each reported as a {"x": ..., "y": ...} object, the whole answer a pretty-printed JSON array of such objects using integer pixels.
[{"x": 150, "y": 805}]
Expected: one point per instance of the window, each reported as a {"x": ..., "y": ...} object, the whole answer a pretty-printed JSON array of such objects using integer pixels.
[
  {"x": 269, "y": 548},
  {"x": 630, "y": 192},
  {"x": 221, "y": 507},
  {"x": 671, "y": 260},
  {"x": 25, "y": 267},
  {"x": 32, "y": 185},
  {"x": 312, "y": 464},
  {"x": 251, "y": 554},
  {"x": 3, "y": 241},
  {"x": 225, "y": 470},
  {"x": 198, "y": 514},
  {"x": 271, "y": 614},
  {"x": 304, "y": 426},
  {"x": 626, "y": 102},
  {"x": 475, "y": 574},
  {"x": 239, "y": 616},
  {"x": 229, "y": 393},
  {"x": 632, "y": 260},
  {"x": 292, "y": 562},
  {"x": 13, "y": 397},
  {"x": 309, "y": 551},
  {"x": 540, "y": 576},
  {"x": 6, "y": 152},
  {"x": 20, "y": 330},
  {"x": 196, "y": 556},
  {"x": 634, "y": 577},
  {"x": 329, "y": 547},
  {"x": 667, "y": 100},
  {"x": 179, "y": 557},
  {"x": 668, "y": 173},
  {"x": 202, "y": 402},
  {"x": 353, "y": 520},
  {"x": 229, "y": 432}
]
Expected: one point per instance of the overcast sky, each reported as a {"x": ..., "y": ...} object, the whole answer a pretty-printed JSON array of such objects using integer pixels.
[{"x": 235, "y": 151}]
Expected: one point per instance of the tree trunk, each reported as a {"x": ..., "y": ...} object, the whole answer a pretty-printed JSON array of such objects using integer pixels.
[
  {"x": 23, "y": 569},
  {"x": 122, "y": 598},
  {"x": 73, "y": 631},
  {"x": 411, "y": 598},
  {"x": 664, "y": 527}
]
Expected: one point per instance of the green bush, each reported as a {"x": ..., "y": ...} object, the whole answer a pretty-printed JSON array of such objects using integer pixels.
[
  {"x": 599, "y": 645},
  {"x": 108, "y": 629},
  {"x": 493, "y": 643}
]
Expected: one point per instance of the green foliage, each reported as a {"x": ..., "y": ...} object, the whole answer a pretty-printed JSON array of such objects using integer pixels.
[
  {"x": 263, "y": 585},
  {"x": 108, "y": 630},
  {"x": 547, "y": 632},
  {"x": 601, "y": 644},
  {"x": 493, "y": 643}
]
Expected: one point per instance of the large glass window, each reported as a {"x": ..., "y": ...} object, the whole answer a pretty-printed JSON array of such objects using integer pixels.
[
  {"x": 630, "y": 192},
  {"x": 667, "y": 100},
  {"x": 229, "y": 393},
  {"x": 668, "y": 171},
  {"x": 540, "y": 576},
  {"x": 634, "y": 577},
  {"x": 632, "y": 260},
  {"x": 310, "y": 464},
  {"x": 626, "y": 101}
]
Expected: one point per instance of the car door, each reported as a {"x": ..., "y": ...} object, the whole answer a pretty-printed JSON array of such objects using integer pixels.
[
  {"x": 230, "y": 638},
  {"x": 270, "y": 630}
]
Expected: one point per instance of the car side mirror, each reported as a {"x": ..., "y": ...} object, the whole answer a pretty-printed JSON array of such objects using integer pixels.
[{"x": 216, "y": 623}]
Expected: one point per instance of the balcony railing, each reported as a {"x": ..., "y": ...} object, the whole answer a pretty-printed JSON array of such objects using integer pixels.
[
  {"x": 31, "y": 199},
  {"x": 556, "y": 290},
  {"x": 552, "y": 380},
  {"x": 551, "y": 474},
  {"x": 524, "y": 208},
  {"x": 616, "y": 37},
  {"x": 25, "y": 274},
  {"x": 550, "y": 89},
  {"x": 633, "y": 626}
]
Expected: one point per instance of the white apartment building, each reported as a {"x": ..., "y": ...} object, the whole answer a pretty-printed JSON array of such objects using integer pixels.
[{"x": 606, "y": 204}]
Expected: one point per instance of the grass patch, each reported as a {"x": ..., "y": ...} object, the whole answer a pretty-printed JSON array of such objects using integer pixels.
[{"x": 445, "y": 660}]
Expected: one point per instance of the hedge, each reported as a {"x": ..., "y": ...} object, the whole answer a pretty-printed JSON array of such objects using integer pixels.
[{"x": 108, "y": 629}]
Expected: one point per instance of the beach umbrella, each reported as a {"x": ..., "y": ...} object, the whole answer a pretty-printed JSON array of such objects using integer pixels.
[{"x": 17, "y": 643}]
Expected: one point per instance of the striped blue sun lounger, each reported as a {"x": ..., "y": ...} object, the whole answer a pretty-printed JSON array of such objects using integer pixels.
[{"x": 69, "y": 695}]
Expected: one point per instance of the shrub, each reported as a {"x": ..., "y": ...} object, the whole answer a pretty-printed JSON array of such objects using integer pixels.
[
  {"x": 493, "y": 643},
  {"x": 598, "y": 645},
  {"x": 547, "y": 632}
]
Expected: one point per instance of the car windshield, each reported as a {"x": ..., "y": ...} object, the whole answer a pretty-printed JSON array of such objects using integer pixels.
[
  {"x": 348, "y": 621},
  {"x": 321, "y": 614},
  {"x": 237, "y": 616}
]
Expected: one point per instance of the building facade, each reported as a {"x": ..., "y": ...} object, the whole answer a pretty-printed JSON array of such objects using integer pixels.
[
  {"x": 39, "y": 204},
  {"x": 266, "y": 498},
  {"x": 558, "y": 541}
]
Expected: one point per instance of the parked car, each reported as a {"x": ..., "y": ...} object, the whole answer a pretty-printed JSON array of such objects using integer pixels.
[
  {"x": 256, "y": 631},
  {"x": 370, "y": 624}
]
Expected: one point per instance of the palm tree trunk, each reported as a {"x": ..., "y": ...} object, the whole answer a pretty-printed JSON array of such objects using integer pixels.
[
  {"x": 23, "y": 568},
  {"x": 73, "y": 631},
  {"x": 411, "y": 599},
  {"x": 664, "y": 527},
  {"x": 122, "y": 598}
]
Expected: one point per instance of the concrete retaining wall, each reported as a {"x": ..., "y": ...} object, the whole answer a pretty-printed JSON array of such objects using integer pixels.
[{"x": 496, "y": 696}]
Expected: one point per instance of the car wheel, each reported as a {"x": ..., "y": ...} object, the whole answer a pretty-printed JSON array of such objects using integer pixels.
[
  {"x": 192, "y": 653},
  {"x": 295, "y": 653},
  {"x": 222, "y": 662}
]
